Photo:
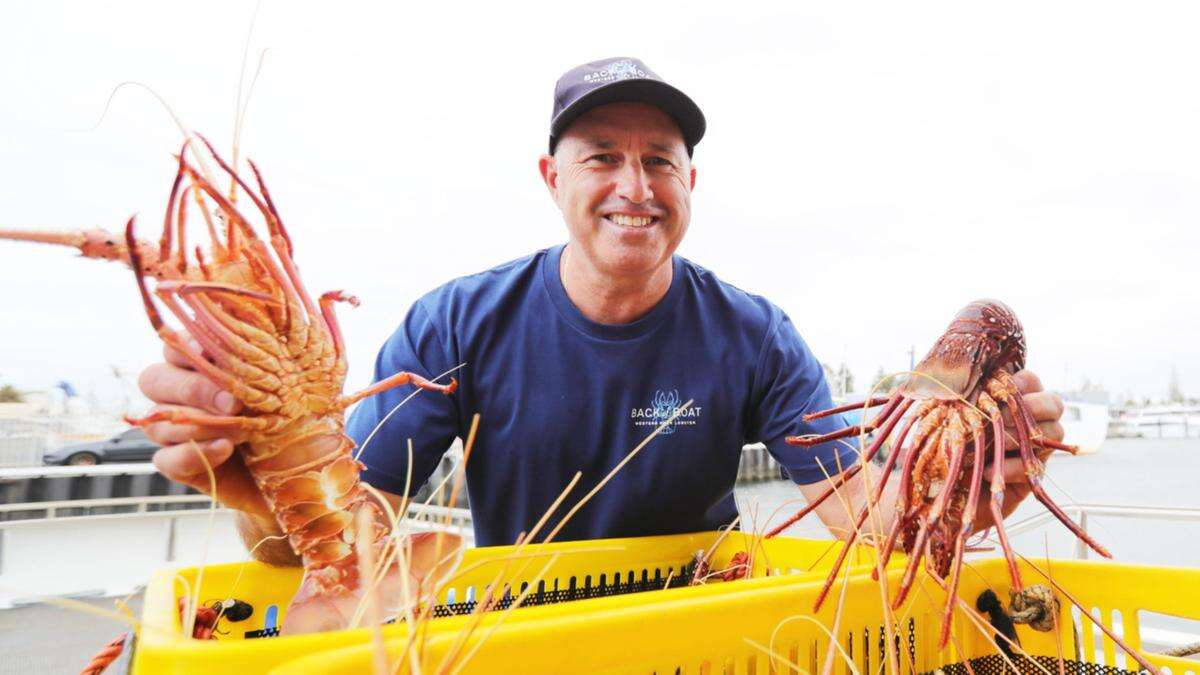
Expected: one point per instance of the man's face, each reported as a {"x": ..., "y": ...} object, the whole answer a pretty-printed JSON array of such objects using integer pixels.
[{"x": 622, "y": 178}]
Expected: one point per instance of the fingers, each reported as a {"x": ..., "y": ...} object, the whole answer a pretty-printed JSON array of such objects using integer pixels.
[
  {"x": 1016, "y": 482},
  {"x": 1052, "y": 430},
  {"x": 175, "y": 357},
  {"x": 185, "y": 463},
  {"x": 1044, "y": 406},
  {"x": 1027, "y": 382},
  {"x": 172, "y": 384}
]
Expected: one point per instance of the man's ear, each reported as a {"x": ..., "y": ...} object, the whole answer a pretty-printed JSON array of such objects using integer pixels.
[
  {"x": 548, "y": 167},
  {"x": 693, "y": 179}
]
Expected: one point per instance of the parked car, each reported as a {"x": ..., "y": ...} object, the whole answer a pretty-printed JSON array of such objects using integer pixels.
[{"x": 130, "y": 445}]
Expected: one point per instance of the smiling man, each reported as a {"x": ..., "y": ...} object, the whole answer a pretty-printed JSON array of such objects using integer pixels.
[{"x": 577, "y": 352}]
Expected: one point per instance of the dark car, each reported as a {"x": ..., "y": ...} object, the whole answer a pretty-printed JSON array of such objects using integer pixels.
[{"x": 130, "y": 445}]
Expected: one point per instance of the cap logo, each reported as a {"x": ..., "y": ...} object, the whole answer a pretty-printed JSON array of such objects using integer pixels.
[{"x": 617, "y": 70}]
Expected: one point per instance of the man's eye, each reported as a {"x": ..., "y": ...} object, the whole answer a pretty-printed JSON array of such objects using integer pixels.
[
  {"x": 658, "y": 161},
  {"x": 603, "y": 158}
]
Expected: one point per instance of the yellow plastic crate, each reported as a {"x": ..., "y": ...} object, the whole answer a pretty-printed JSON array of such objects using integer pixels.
[
  {"x": 693, "y": 630},
  {"x": 615, "y": 572}
]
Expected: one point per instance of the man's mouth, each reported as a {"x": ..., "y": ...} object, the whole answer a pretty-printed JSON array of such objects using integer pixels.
[{"x": 636, "y": 222}]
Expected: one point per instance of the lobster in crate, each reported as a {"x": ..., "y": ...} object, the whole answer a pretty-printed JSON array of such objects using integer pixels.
[
  {"x": 957, "y": 397},
  {"x": 281, "y": 353}
]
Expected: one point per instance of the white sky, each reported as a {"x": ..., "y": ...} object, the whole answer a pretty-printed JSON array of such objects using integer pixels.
[{"x": 869, "y": 170}]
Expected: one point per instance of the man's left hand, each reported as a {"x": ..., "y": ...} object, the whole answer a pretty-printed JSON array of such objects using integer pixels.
[{"x": 1047, "y": 410}]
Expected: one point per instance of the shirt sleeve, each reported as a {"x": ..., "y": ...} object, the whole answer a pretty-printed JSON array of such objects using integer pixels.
[
  {"x": 431, "y": 420},
  {"x": 790, "y": 382}
]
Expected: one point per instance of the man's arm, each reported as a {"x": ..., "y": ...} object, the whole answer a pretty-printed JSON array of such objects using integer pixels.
[
  {"x": 841, "y": 510},
  {"x": 265, "y": 541}
]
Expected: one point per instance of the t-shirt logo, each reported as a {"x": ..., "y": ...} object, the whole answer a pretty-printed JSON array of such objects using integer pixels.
[{"x": 662, "y": 406}]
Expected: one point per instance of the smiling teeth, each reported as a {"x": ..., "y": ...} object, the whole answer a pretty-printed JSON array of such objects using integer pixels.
[{"x": 630, "y": 221}]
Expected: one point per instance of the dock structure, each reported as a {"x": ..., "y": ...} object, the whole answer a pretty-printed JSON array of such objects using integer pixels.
[{"x": 757, "y": 464}]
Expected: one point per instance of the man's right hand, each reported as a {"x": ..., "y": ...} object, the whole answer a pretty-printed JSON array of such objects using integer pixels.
[{"x": 175, "y": 385}]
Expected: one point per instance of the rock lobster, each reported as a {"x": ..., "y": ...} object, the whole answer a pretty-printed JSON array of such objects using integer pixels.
[
  {"x": 264, "y": 339},
  {"x": 957, "y": 396}
]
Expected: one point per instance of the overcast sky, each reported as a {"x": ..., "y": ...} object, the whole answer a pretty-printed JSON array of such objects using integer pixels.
[{"x": 868, "y": 170}]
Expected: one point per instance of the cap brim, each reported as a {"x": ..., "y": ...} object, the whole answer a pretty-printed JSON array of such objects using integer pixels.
[{"x": 675, "y": 103}]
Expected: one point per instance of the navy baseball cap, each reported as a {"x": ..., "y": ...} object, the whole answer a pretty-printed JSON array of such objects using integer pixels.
[{"x": 621, "y": 80}]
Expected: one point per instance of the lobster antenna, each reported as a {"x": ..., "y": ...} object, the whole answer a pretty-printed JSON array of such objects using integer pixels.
[
  {"x": 241, "y": 119},
  {"x": 238, "y": 110},
  {"x": 134, "y": 83},
  {"x": 166, "y": 106}
]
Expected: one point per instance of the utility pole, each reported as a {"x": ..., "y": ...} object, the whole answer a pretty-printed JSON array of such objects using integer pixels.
[{"x": 912, "y": 357}]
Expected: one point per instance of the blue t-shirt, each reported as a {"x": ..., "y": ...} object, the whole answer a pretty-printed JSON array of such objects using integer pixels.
[{"x": 559, "y": 393}]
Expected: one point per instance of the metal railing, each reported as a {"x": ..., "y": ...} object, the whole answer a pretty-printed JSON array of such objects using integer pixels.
[
  {"x": 162, "y": 506},
  {"x": 1082, "y": 512},
  {"x": 170, "y": 508},
  {"x": 94, "y": 508},
  {"x": 112, "y": 469}
]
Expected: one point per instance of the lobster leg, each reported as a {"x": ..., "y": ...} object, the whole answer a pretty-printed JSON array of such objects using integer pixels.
[
  {"x": 282, "y": 250},
  {"x": 919, "y": 550},
  {"x": 1035, "y": 432},
  {"x": 218, "y": 247},
  {"x": 267, "y": 209},
  {"x": 207, "y": 321},
  {"x": 862, "y": 514},
  {"x": 841, "y": 559},
  {"x": 256, "y": 340},
  {"x": 164, "y": 244},
  {"x": 928, "y": 436},
  {"x": 967, "y": 525},
  {"x": 209, "y": 341},
  {"x": 248, "y": 364},
  {"x": 897, "y": 448},
  {"x": 846, "y": 475},
  {"x": 809, "y": 441},
  {"x": 955, "y": 445},
  {"x": 173, "y": 339},
  {"x": 176, "y": 416},
  {"x": 996, "y": 503},
  {"x": 951, "y": 442},
  {"x": 1033, "y": 470},
  {"x": 262, "y": 186},
  {"x": 910, "y": 571},
  {"x": 393, "y": 381},
  {"x": 331, "y": 320},
  {"x": 860, "y": 405},
  {"x": 279, "y": 240},
  {"x": 220, "y": 292}
]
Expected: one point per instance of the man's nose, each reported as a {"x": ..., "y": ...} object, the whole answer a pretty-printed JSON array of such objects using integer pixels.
[{"x": 633, "y": 183}]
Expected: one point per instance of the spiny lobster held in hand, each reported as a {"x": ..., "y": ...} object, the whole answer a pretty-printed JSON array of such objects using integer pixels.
[
  {"x": 957, "y": 396},
  {"x": 262, "y": 337}
]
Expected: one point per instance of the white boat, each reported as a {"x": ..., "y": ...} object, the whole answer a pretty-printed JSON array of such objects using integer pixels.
[
  {"x": 1159, "y": 421},
  {"x": 1085, "y": 424}
]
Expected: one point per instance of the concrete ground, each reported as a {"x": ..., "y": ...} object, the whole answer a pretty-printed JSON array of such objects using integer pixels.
[{"x": 43, "y": 638}]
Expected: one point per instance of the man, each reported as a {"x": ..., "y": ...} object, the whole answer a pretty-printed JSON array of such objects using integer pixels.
[{"x": 576, "y": 353}]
